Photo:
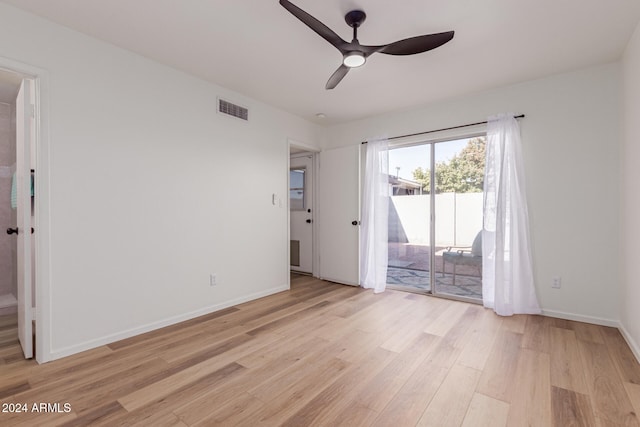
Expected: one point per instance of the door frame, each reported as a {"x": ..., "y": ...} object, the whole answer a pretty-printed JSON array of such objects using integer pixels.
[
  {"x": 307, "y": 159},
  {"x": 308, "y": 149},
  {"x": 42, "y": 236}
]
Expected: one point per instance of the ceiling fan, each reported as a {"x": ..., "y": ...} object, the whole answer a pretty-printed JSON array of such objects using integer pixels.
[{"x": 355, "y": 54}]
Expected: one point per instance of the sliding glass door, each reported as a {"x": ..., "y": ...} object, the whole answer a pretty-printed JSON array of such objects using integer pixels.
[
  {"x": 435, "y": 217},
  {"x": 409, "y": 211},
  {"x": 459, "y": 179}
]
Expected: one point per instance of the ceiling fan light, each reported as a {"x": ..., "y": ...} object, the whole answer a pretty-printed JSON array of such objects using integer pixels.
[{"x": 353, "y": 59}]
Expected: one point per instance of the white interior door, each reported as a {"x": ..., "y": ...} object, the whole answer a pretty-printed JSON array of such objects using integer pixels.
[
  {"x": 24, "y": 117},
  {"x": 339, "y": 215},
  {"x": 301, "y": 213}
]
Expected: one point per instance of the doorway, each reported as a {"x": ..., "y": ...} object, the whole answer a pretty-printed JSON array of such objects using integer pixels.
[
  {"x": 17, "y": 247},
  {"x": 301, "y": 210},
  {"x": 435, "y": 217},
  {"x": 9, "y": 85}
]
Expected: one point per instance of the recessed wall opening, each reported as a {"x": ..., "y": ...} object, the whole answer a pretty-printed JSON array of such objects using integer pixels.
[{"x": 301, "y": 211}]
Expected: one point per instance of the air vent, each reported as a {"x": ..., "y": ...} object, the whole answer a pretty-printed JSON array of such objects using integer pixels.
[{"x": 226, "y": 107}]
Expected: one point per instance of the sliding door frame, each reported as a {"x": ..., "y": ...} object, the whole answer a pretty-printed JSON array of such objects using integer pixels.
[{"x": 446, "y": 136}]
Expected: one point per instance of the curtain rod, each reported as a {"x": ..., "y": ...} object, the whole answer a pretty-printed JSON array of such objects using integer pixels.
[{"x": 440, "y": 130}]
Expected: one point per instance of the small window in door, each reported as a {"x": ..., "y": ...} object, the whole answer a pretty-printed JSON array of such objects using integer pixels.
[{"x": 296, "y": 189}]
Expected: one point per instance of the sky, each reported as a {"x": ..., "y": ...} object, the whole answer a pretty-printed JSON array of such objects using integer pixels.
[{"x": 410, "y": 158}]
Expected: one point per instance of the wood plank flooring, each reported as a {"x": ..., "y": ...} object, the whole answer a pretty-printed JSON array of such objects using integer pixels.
[
  {"x": 323, "y": 354},
  {"x": 9, "y": 346}
]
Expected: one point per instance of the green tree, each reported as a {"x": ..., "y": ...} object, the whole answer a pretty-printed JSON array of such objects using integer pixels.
[
  {"x": 464, "y": 173},
  {"x": 423, "y": 176}
]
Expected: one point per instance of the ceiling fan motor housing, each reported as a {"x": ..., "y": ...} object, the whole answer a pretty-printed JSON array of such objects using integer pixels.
[{"x": 355, "y": 18}]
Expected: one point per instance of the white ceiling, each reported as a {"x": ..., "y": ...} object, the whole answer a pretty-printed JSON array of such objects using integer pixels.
[{"x": 257, "y": 48}]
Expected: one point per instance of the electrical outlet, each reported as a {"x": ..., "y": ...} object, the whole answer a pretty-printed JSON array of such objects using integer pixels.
[
  {"x": 556, "y": 282},
  {"x": 212, "y": 279}
]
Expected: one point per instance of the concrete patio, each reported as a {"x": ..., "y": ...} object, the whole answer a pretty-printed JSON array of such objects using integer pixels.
[{"x": 409, "y": 268}]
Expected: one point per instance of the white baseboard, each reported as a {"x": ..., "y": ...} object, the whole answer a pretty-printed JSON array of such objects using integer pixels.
[
  {"x": 8, "y": 300},
  {"x": 635, "y": 348},
  {"x": 582, "y": 318},
  {"x": 88, "y": 345}
]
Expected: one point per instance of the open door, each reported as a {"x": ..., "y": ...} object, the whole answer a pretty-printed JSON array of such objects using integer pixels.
[
  {"x": 339, "y": 215},
  {"x": 24, "y": 126}
]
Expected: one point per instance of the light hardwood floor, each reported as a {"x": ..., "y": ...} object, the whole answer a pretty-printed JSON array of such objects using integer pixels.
[
  {"x": 326, "y": 354},
  {"x": 9, "y": 347}
]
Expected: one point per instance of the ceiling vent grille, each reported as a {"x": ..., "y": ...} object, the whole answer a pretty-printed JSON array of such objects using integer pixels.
[{"x": 226, "y": 107}]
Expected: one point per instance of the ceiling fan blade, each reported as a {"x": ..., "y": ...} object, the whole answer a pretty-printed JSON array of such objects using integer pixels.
[
  {"x": 337, "y": 76},
  {"x": 414, "y": 45},
  {"x": 317, "y": 26}
]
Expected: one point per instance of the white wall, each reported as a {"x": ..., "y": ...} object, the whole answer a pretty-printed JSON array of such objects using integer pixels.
[
  {"x": 150, "y": 189},
  {"x": 571, "y": 136},
  {"x": 630, "y": 226}
]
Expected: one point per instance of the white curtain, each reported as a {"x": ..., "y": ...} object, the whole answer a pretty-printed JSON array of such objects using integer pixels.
[
  {"x": 507, "y": 277},
  {"x": 374, "y": 230}
]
